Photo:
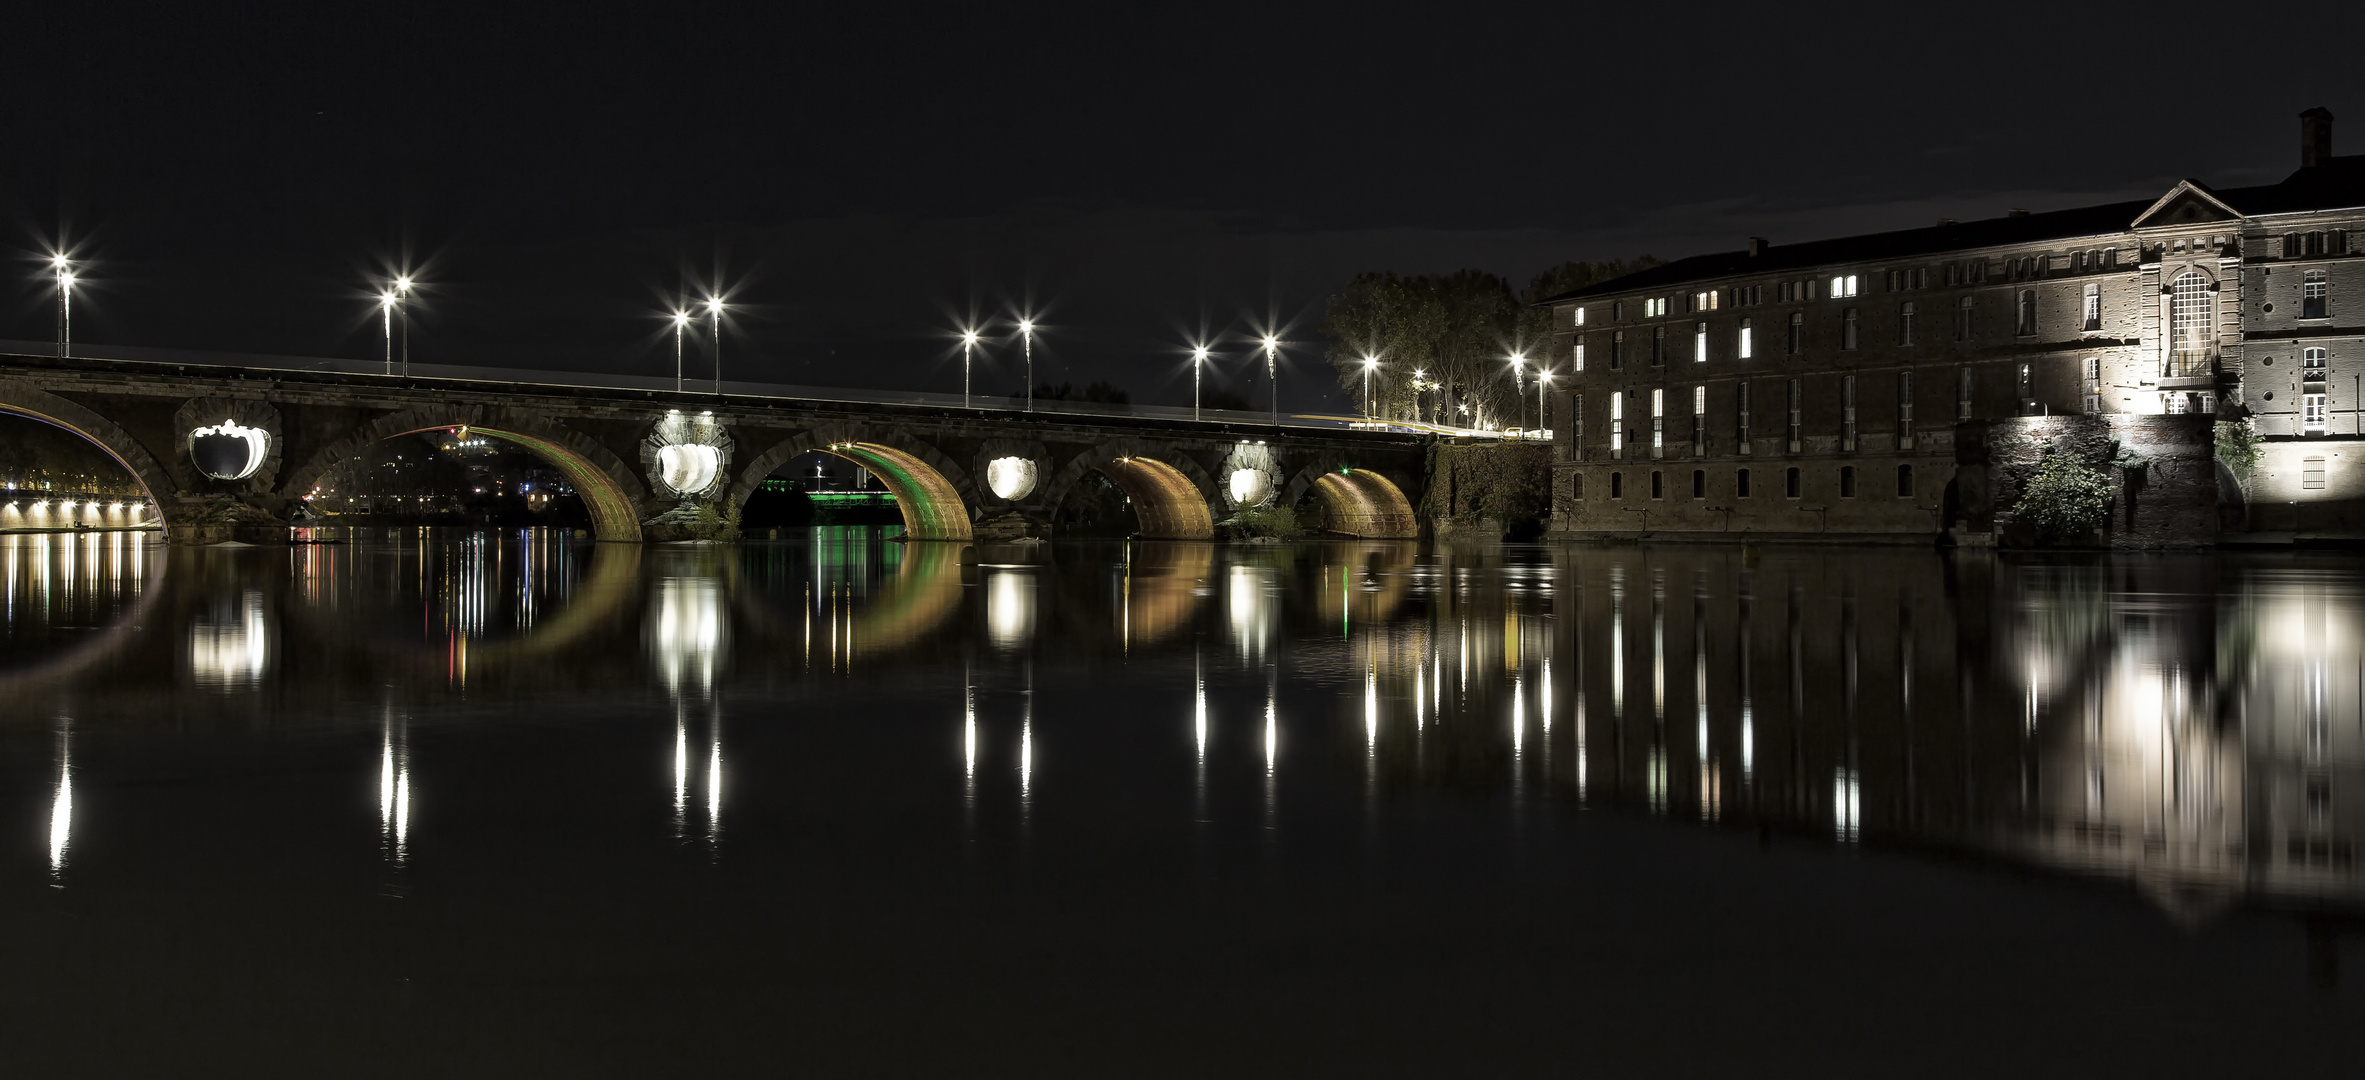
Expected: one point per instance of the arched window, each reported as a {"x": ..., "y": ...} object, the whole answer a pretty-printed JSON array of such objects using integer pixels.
[
  {"x": 2192, "y": 321},
  {"x": 2028, "y": 313}
]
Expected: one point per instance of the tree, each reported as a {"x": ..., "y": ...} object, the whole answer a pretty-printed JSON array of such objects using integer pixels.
[{"x": 1455, "y": 331}]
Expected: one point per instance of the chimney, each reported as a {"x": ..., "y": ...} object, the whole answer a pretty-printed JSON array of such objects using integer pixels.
[
  {"x": 1757, "y": 245},
  {"x": 2315, "y": 137}
]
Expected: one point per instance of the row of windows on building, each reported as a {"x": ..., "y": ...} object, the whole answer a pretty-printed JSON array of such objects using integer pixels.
[
  {"x": 1846, "y": 286},
  {"x": 2300, "y": 245},
  {"x": 1793, "y": 483},
  {"x": 1795, "y": 339},
  {"x": 1744, "y": 430}
]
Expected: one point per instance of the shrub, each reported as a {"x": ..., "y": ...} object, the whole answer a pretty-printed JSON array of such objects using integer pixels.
[
  {"x": 2237, "y": 446},
  {"x": 2067, "y": 498},
  {"x": 1278, "y": 522}
]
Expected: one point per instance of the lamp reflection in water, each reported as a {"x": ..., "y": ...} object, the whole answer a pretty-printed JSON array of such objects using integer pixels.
[
  {"x": 687, "y": 632},
  {"x": 1010, "y": 607},
  {"x": 61, "y": 808},
  {"x": 1272, "y": 748},
  {"x": 1248, "y": 599},
  {"x": 230, "y": 645},
  {"x": 1199, "y": 734},
  {"x": 394, "y": 789}
]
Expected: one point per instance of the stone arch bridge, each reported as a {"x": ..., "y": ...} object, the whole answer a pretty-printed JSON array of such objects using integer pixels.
[{"x": 229, "y": 452}]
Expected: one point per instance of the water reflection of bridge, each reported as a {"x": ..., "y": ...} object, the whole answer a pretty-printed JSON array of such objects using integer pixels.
[{"x": 2193, "y": 726}]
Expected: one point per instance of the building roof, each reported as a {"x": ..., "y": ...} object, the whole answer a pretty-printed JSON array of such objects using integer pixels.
[{"x": 2338, "y": 182}]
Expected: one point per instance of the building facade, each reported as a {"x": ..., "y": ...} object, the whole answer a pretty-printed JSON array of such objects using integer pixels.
[{"x": 1841, "y": 387}]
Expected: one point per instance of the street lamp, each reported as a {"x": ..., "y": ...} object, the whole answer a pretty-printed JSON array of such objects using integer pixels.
[
  {"x": 65, "y": 305},
  {"x": 1198, "y": 362},
  {"x": 681, "y": 322},
  {"x": 1026, "y": 330},
  {"x": 968, "y": 343},
  {"x": 1370, "y": 363},
  {"x": 1273, "y": 378},
  {"x": 714, "y": 312},
  {"x": 1419, "y": 376},
  {"x": 386, "y": 318},
  {"x": 1519, "y": 385},
  {"x": 1543, "y": 383},
  {"x": 402, "y": 302}
]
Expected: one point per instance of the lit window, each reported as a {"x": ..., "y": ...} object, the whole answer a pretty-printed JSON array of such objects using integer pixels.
[
  {"x": 2311, "y": 363},
  {"x": 1700, "y": 343},
  {"x": 2313, "y": 292},
  {"x": 1579, "y": 316},
  {"x": 1577, "y": 361},
  {"x": 2311, "y": 473},
  {"x": 1746, "y": 346},
  {"x": 1654, "y": 307},
  {"x": 1658, "y": 421},
  {"x": 1843, "y": 286},
  {"x": 2193, "y": 326},
  {"x": 1617, "y": 433},
  {"x": 2311, "y": 413},
  {"x": 2093, "y": 316},
  {"x": 2093, "y": 393}
]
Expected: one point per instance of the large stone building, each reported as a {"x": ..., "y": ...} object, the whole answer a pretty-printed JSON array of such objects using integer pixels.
[{"x": 1863, "y": 386}]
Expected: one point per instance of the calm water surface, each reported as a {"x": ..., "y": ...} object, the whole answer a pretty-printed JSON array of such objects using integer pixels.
[{"x": 515, "y": 804}]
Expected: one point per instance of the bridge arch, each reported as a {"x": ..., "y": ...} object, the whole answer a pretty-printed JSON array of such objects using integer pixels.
[
  {"x": 153, "y": 477},
  {"x": 1357, "y": 502},
  {"x": 1170, "y": 493},
  {"x": 610, "y": 491},
  {"x": 927, "y": 485}
]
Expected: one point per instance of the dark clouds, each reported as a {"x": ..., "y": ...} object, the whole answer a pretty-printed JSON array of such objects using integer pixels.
[{"x": 864, "y": 174}]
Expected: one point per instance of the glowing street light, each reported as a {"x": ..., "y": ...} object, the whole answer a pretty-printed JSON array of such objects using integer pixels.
[
  {"x": 1519, "y": 385},
  {"x": 1272, "y": 377},
  {"x": 1419, "y": 380},
  {"x": 386, "y": 317},
  {"x": 402, "y": 303},
  {"x": 1198, "y": 362},
  {"x": 1370, "y": 364},
  {"x": 65, "y": 304},
  {"x": 714, "y": 312},
  {"x": 681, "y": 322},
  {"x": 968, "y": 343},
  {"x": 1026, "y": 330}
]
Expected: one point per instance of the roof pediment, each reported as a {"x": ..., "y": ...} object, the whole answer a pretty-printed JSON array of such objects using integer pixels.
[{"x": 2188, "y": 203}]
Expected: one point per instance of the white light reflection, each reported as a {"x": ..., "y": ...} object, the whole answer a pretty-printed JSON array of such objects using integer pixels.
[
  {"x": 1845, "y": 809},
  {"x": 686, "y": 631},
  {"x": 229, "y": 649},
  {"x": 681, "y": 769},
  {"x": 1010, "y": 607},
  {"x": 394, "y": 791},
  {"x": 61, "y": 809},
  {"x": 1248, "y": 600}
]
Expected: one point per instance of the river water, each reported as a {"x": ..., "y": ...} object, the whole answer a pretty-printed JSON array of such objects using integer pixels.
[{"x": 510, "y": 803}]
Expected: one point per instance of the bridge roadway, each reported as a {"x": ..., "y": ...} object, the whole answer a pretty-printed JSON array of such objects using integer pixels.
[{"x": 228, "y": 447}]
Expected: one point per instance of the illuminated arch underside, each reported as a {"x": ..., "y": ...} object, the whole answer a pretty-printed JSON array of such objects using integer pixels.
[
  {"x": 1363, "y": 503},
  {"x": 1165, "y": 502},
  {"x": 932, "y": 507},
  {"x": 611, "y": 510}
]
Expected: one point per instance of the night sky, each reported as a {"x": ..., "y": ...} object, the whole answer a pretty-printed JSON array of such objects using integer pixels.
[{"x": 863, "y": 178}]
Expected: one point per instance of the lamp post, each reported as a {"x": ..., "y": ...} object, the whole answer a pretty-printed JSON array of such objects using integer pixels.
[
  {"x": 1198, "y": 362},
  {"x": 681, "y": 322},
  {"x": 968, "y": 344},
  {"x": 1273, "y": 378},
  {"x": 1369, "y": 364},
  {"x": 402, "y": 303},
  {"x": 65, "y": 305},
  {"x": 1519, "y": 385},
  {"x": 1543, "y": 383},
  {"x": 386, "y": 320},
  {"x": 1026, "y": 330},
  {"x": 714, "y": 312},
  {"x": 1419, "y": 376}
]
